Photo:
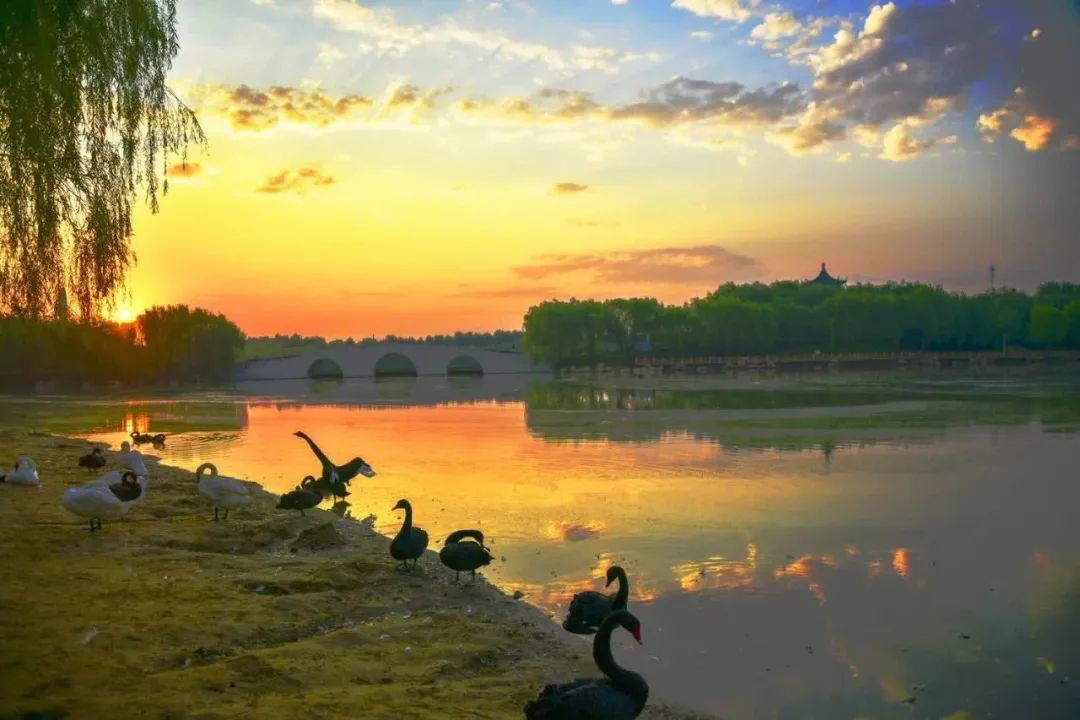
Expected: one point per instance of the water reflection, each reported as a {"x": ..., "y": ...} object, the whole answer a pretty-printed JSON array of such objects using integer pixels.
[{"x": 788, "y": 562}]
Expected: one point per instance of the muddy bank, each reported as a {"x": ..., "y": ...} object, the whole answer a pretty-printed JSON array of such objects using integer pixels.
[{"x": 167, "y": 614}]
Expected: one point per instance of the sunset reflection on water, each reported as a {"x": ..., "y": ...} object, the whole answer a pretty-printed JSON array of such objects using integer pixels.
[{"x": 772, "y": 583}]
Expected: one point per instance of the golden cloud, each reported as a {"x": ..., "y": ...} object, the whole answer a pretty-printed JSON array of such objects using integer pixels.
[
  {"x": 567, "y": 188},
  {"x": 299, "y": 181}
]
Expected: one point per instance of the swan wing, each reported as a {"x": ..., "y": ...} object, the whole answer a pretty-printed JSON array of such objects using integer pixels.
[
  {"x": 110, "y": 478},
  {"x": 25, "y": 475},
  {"x": 582, "y": 699},
  {"x": 93, "y": 502},
  {"x": 224, "y": 491}
]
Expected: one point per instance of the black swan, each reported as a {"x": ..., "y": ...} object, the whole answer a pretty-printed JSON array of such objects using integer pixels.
[
  {"x": 302, "y": 498},
  {"x": 621, "y": 696},
  {"x": 140, "y": 438},
  {"x": 588, "y": 609},
  {"x": 335, "y": 478},
  {"x": 410, "y": 542},
  {"x": 464, "y": 556},
  {"x": 93, "y": 460}
]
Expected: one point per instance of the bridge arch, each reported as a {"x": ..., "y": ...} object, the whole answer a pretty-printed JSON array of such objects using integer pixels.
[
  {"x": 325, "y": 369},
  {"x": 464, "y": 365},
  {"x": 395, "y": 365}
]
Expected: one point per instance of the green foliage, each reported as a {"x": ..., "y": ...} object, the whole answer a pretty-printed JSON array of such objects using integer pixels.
[
  {"x": 165, "y": 344},
  {"x": 86, "y": 121},
  {"x": 794, "y": 317},
  {"x": 1048, "y": 327}
]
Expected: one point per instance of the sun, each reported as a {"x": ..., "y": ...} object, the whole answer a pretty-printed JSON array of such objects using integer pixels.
[{"x": 123, "y": 315}]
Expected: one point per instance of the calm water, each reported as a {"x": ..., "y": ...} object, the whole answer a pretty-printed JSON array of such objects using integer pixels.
[{"x": 890, "y": 548}]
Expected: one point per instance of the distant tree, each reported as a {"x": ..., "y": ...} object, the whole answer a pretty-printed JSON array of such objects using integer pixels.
[
  {"x": 1048, "y": 326},
  {"x": 186, "y": 344},
  {"x": 86, "y": 120}
]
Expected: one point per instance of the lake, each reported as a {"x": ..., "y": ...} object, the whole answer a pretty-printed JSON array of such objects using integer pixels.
[{"x": 820, "y": 546}]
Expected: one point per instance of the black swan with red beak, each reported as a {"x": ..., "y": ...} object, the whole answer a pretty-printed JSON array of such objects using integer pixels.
[
  {"x": 588, "y": 609},
  {"x": 620, "y": 696}
]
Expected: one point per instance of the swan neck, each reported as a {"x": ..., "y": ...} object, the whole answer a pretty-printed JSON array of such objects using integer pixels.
[
  {"x": 407, "y": 524},
  {"x": 620, "y": 677},
  {"x": 208, "y": 467},
  {"x": 623, "y": 594}
]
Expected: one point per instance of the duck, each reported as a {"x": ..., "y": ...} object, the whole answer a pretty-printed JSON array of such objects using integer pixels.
[
  {"x": 335, "y": 478},
  {"x": 95, "y": 502},
  {"x": 132, "y": 459},
  {"x": 93, "y": 460},
  {"x": 464, "y": 556},
  {"x": 588, "y": 609},
  {"x": 410, "y": 542},
  {"x": 222, "y": 491},
  {"x": 620, "y": 696},
  {"x": 304, "y": 497},
  {"x": 24, "y": 473}
]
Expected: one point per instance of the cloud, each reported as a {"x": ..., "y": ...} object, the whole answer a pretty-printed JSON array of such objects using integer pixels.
[
  {"x": 774, "y": 27},
  {"x": 677, "y": 102},
  {"x": 734, "y": 10},
  {"x": 299, "y": 181},
  {"x": 675, "y": 265},
  {"x": 1044, "y": 111},
  {"x": 900, "y": 143},
  {"x": 252, "y": 109},
  {"x": 702, "y": 35},
  {"x": 619, "y": 2},
  {"x": 329, "y": 55},
  {"x": 184, "y": 170},
  {"x": 567, "y": 188},
  {"x": 393, "y": 38},
  {"x": 903, "y": 68}
]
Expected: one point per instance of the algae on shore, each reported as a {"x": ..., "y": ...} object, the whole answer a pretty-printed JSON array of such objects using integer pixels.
[{"x": 167, "y": 614}]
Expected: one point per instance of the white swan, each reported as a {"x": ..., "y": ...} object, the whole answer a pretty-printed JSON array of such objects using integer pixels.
[
  {"x": 116, "y": 476},
  {"x": 109, "y": 502},
  {"x": 25, "y": 473},
  {"x": 132, "y": 459},
  {"x": 222, "y": 491}
]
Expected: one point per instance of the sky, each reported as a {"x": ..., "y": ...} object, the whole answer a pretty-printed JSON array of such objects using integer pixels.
[{"x": 438, "y": 165}]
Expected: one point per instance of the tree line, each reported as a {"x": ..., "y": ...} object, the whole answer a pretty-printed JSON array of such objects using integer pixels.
[
  {"x": 796, "y": 317},
  {"x": 280, "y": 345},
  {"x": 163, "y": 345}
]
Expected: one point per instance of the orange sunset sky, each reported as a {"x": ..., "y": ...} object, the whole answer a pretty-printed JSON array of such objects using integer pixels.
[{"x": 421, "y": 167}]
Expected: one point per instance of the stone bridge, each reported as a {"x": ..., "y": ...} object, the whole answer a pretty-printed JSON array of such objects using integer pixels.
[{"x": 389, "y": 360}]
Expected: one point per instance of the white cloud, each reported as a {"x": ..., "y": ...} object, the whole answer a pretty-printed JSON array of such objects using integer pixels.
[
  {"x": 393, "y": 38},
  {"x": 329, "y": 55},
  {"x": 702, "y": 35},
  {"x": 734, "y": 10}
]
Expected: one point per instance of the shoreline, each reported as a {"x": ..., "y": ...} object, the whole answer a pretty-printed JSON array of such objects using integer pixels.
[{"x": 269, "y": 614}]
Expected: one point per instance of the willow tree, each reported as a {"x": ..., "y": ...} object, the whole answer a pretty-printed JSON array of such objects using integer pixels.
[{"x": 87, "y": 122}]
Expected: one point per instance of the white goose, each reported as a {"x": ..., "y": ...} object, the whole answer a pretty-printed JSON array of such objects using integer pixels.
[
  {"x": 109, "y": 502},
  {"x": 222, "y": 491},
  {"x": 25, "y": 473}
]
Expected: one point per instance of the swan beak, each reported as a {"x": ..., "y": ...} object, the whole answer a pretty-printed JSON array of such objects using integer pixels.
[
  {"x": 366, "y": 471},
  {"x": 637, "y": 635}
]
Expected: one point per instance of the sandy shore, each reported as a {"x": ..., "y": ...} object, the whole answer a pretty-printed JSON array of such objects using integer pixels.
[{"x": 167, "y": 614}]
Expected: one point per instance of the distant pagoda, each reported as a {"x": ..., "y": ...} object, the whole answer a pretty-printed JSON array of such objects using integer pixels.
[{"x": 824, "y": 278}]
